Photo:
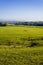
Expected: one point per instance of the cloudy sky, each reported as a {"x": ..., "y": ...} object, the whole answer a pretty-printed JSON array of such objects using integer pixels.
[{"x": 24, "y": 10}]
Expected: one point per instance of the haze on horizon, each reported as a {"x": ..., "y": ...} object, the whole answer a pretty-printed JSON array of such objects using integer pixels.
[{"x": 24, "y": 10}]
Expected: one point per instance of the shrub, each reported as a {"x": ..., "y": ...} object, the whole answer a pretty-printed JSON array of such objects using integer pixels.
[
  {"x": 33, "y": 44},
  {"x": 8, "y": 42}
]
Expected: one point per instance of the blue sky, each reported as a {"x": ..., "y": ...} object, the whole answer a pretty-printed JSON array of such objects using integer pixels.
[{"x": 24, "y": 10}]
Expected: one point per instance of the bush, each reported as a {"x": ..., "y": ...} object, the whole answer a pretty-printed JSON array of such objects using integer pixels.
[{"x": 33, "y": 44}]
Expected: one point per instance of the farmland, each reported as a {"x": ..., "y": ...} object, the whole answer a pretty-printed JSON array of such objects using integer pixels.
[{"x": 21, "y": 45}]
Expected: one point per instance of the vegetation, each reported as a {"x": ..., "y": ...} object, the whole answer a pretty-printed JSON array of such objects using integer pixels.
[
  {"x": 21, "y": 56},
  {"x": 21, "y": 35},
  {"x": 28, "y": 23},
  {"x": 31, "y": 23},
  {"x": 21, "y": 45}
]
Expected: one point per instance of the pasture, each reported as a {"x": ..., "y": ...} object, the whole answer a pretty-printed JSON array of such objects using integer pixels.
[{"x": 21, "y": 45}]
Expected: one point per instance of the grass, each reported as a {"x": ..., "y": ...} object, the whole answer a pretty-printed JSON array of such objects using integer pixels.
[
  {"x": 15, "y": 46},
  {"x": 22, "y": 56},
  {"x": 20, "y": 35}
]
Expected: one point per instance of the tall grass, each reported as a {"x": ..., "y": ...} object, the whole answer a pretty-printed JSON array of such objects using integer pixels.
[
  {"x": 20, "y": 35},
  {"x": 21, "y": 45}
]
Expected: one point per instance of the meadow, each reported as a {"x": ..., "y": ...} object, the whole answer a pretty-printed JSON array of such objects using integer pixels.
[{"x": 21, "y": 45}]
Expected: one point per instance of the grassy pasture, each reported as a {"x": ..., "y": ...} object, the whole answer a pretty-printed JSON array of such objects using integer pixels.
[
  {"x": 14, "y": 42},
  {"x": 20, "y": 35},
  {"x": 21, "y": 56}
]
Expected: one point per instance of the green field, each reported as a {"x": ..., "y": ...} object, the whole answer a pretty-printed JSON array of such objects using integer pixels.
[{"x": 21, "y": 45}]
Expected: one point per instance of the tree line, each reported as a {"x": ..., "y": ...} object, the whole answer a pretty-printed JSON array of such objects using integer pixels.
[{"x": 21, "y": 23}]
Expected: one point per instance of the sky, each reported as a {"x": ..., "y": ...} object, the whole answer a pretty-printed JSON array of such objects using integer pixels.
[{"x": 21, "y": 10}]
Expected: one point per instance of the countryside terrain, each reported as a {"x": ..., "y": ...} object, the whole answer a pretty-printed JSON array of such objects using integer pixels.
[{"x": 21, "y": 45}]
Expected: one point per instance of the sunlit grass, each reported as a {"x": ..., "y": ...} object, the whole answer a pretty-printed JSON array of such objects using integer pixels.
[{"x": 14, "y": 45}]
